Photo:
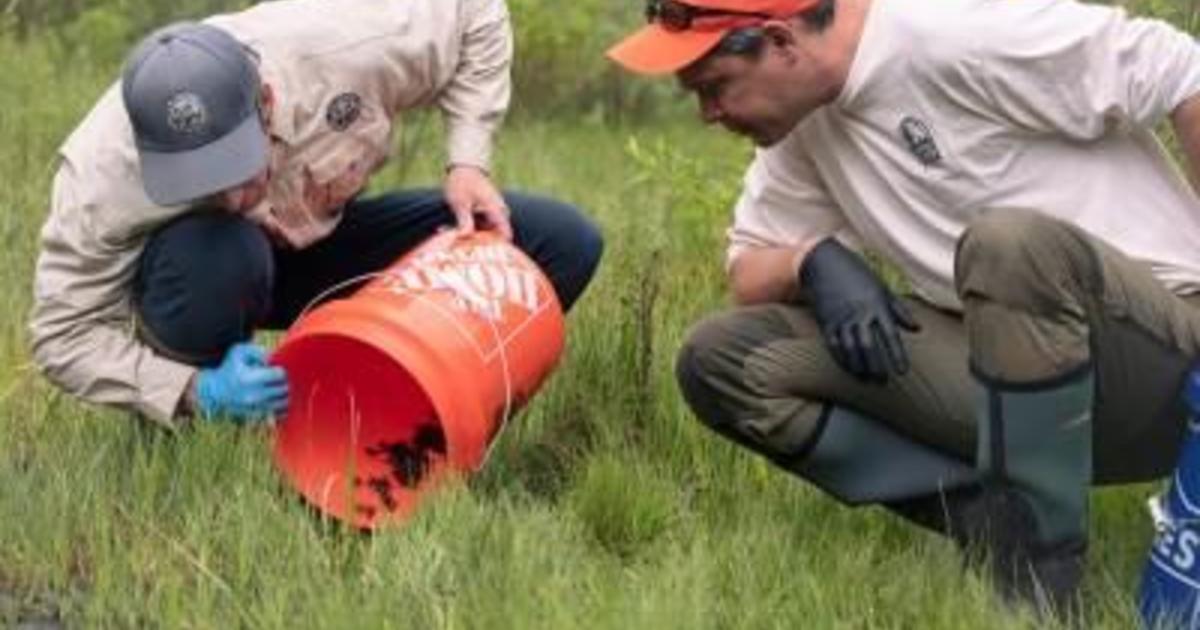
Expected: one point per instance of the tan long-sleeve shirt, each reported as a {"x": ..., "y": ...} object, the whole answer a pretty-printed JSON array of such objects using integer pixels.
[{"x": 341, "y": 72}]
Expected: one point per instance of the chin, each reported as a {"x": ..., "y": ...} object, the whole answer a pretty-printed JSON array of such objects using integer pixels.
[
  {"x": 770, "y": 137},
  {"x": 767, "y": 140}
]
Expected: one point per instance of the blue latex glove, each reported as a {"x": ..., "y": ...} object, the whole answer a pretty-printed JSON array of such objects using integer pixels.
[
  {"x": 243, "y": 388},
  {"x": 859, "y": 317}
]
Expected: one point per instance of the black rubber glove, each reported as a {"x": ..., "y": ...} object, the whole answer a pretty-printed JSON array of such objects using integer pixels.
[{"x": 859, "y": 317}]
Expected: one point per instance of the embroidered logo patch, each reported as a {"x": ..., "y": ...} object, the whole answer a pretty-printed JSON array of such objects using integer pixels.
[
  {"x": 920, "y": 141},
  {"x": 186, "y": 114},
  {"x": 343, "y": 110}
]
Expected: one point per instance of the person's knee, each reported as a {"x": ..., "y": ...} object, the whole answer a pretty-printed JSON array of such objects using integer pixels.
[
  {"x": 732, "y": 361},
  {"x": 564, "y": 242},
  {"x": 707, "y": 371},
  {"x": 1018, "y": 257},
  {"x": 997, "y": 237},
  {"x": 585, "y": 239},
  {"x": 203, "y": 283}
]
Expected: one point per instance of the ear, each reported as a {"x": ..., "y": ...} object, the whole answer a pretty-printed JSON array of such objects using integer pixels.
[{"x": 781, "y": 38}]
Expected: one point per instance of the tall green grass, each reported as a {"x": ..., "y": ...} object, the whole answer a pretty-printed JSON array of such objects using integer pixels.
[{"x": 604, "y": 505}]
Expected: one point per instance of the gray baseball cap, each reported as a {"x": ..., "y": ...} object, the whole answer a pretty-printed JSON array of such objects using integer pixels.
[{"x": 191, "y": 91}]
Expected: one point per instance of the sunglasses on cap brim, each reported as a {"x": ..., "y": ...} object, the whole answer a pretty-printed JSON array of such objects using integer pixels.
[{"x": 677, "y": 16}]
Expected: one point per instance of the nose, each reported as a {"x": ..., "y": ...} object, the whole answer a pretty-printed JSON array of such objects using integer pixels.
[
  {"x": 245, "y": 196},
  {"x": 230, "y": 200}
]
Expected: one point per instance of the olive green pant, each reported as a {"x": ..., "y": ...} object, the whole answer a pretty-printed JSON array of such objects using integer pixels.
[{"x": 1040, "y": 299}]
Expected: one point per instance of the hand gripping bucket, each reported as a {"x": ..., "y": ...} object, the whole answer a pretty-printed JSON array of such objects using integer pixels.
[
  {"x": 410, "y": 378},
  {"x": 1169, "y": 596}
]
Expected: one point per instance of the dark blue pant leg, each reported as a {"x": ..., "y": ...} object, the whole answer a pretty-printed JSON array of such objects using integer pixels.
[
  {"x": 372, "y": 234},
  {"x": 375, "y": 232},
  {"x": 557, "y": 236},
  {"x": 203, "y": 283},
  {"x": 207, "y": 280}
]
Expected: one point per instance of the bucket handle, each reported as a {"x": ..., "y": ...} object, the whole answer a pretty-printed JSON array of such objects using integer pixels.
[
  {"x": 500, "y": 349},
  {"x": 353, "y": 280}
]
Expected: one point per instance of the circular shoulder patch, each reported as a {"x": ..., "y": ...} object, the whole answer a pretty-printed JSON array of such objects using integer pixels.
[
  {"x": 186, "y": 114},
  {"x": 343, "y": 110}
]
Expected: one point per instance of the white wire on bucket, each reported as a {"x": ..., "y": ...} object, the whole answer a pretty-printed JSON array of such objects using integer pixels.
[{"x": 419, "y": 295}]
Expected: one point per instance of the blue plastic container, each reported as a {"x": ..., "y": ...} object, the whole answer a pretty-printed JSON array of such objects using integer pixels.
[{"x": 1169, "y": 597}]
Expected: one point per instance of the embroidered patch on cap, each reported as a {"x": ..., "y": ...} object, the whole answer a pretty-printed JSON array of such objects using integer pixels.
[
  {"x": 920, "y": 141},
  {"x": 186, "y": 114},
  {"x": 343, "y": 110}
]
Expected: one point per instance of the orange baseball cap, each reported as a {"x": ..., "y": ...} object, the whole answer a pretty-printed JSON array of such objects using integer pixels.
[{"x": 661, "y": 48}]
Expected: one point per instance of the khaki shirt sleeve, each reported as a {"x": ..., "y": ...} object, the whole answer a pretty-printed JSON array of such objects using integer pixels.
[
  {"x": 476, "y": 99},
  {"x": 81, "y": 328}
]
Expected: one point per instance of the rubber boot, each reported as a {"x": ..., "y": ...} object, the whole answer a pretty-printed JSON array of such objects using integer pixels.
[
  {"x": 1035, "y": 452},
  {"x": 859, "y": 461}
]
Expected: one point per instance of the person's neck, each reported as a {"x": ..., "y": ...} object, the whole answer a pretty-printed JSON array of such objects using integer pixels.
[{"x": 842, "y": 39}]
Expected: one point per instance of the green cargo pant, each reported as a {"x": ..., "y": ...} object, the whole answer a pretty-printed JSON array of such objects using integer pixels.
[{"x": 1040, "y": 298}]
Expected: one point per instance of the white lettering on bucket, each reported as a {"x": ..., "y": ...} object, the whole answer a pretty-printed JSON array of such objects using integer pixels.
[
  {"x": 461, "y": 255},
  {"x": 1185, "y": 556},
  {"x": 1178, "y": 546},
  {"x": 482, "y": 279}
]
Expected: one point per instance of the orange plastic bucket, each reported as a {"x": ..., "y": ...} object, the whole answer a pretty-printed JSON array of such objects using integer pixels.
[{"x": 411, "y": 377}]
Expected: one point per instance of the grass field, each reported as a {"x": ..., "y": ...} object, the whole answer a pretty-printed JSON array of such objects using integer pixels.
[{"x": 605, "y": 505}]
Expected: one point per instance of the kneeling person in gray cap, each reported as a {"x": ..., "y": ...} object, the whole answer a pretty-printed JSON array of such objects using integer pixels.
[{"x": 216, "y": 189}]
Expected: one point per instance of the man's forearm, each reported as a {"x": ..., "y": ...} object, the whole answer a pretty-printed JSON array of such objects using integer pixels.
[
  {"x": 476, "y": 100},
  {"x": 104, "y": 364},
  {"x": 768, "y": 274},
  {"x": 1186, "y": 120}
]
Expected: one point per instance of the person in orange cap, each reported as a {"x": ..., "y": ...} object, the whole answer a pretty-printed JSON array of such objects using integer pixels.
[{"x": 1001, "y": 156}]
